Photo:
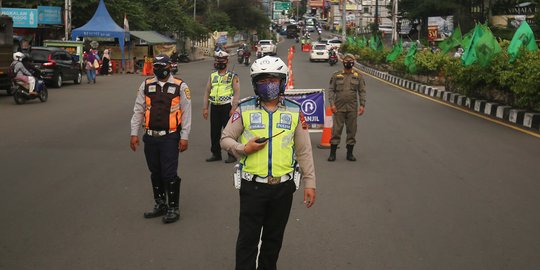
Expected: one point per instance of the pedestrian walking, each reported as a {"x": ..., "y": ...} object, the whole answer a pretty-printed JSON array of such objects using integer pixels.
[
  {"x": 347, "y": 89},
  {"x": 89, "y": 67},
  {"x": 270, "y": 135},
  {"x": 105, "y": 63},
  {"x": 163, "y": 108},
  {"x": 222, "y": 94}
]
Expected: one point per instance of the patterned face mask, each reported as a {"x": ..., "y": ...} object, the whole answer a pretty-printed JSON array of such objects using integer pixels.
[{"x": 268, "y": 90}]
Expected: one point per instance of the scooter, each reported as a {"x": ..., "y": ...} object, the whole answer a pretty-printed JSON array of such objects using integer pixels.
[
  {"x": 174, "y": 66},
  {"x": 240, "y": 53},
  {"x": 332, "y": 57},
  {"x": 21, "y": 94},
  {"x": 246, "y": 55}
]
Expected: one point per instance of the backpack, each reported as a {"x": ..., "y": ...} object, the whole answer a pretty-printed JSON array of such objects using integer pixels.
[{"x": 11, "y": 71}]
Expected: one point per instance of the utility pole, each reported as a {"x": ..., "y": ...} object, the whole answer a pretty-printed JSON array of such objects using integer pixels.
[
  {"x": 376, "y": 15},
  {"x": 297, "y": 9},
  {"x": 67, "y": 17},
  {"x": 343, "y": 18},
  {"x": 194, "y": 9},
  {"x": 394, "y": 21}
]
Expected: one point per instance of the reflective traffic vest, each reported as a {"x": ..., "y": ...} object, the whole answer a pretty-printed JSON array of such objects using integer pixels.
[
  {"x": 162, "y": 105},
  {"x": 222, "y": 90},
  {"x": 277, "y": 157}
]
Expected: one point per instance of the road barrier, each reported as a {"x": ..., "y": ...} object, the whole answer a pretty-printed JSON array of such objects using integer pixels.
[{"x": 327, "y": 130}]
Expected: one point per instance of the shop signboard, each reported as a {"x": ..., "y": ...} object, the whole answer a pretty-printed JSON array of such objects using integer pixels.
[
  {"x": 49, "y": 15},
  {"x": 22, "y": 17}
]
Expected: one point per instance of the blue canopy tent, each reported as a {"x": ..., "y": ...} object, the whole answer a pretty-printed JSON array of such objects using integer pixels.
[{"x": 103, "y": 26}]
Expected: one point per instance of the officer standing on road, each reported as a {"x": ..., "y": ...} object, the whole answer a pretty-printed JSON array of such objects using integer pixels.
[
  {"x": 163, "y": 108},
  {"x": 267, "y": 168},
  {"x": 222, "y": 92},
  {"x": 346, "y": 87}
]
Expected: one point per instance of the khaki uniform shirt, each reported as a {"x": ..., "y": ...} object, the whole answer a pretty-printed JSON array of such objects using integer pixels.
[
  {"x": 302, "y": 146},
  {"x": 345, "y": 90}
]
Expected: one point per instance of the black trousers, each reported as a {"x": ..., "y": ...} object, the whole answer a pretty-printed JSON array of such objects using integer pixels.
[
  {"x": 162, "y": 159},
  {"x": 219, "y": 116},
  {"x": 265, "y": 207}
]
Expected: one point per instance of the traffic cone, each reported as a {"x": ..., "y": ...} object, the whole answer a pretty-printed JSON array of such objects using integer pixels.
[{"x": 327, "y": 130}]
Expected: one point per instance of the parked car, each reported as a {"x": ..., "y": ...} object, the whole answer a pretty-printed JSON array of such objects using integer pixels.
[
  {"x": 319, "y": 52},
  {"x": 268, "y": 47},
  {"x": 56, "y": 65}
]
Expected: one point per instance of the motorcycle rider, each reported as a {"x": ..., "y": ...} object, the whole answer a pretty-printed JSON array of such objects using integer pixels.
[{"x": 21, "y": 73}]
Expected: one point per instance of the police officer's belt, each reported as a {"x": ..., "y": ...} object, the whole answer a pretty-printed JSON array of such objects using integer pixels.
[
  {"x": 157, "y": 133},
  {"x": 267, "y": 180},
  {"x": 221, "y": 100}
]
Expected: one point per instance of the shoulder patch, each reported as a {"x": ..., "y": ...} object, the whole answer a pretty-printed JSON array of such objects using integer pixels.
[
  {"x": 188, "y": 93},
  {"x": 235, "y": 117}
]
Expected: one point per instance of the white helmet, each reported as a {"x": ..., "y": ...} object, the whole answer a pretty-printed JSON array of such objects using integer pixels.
[
  {"x": 270, "y": 65},
  {"x": 18, "y": 56},
  {"x": 221, "y": 54}
]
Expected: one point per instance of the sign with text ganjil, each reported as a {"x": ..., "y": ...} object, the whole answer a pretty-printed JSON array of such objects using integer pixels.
[
  {"x": 22, "y": 17},
  {"x": 49, "y": 15}
]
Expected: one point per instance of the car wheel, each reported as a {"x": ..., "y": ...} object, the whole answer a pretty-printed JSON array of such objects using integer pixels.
[
  {"x": 58, "y": 82},
  {"x": 78, "y": 79}
]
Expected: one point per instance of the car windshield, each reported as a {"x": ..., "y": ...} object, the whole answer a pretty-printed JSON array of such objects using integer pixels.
[
  {"x": 320, "y": 47},
  {"x": 264, "y": 42},
  {"x": 40, "y": 55},
  {"x": 335, "y": 41}
]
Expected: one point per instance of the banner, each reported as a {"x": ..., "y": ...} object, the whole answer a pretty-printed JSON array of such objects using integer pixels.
[
  {"x": 312, "y": 104},
  {"x": 440, "y": 28},
  {"x": 22, "y": 17},
  {"x": 49, "y": 15}
]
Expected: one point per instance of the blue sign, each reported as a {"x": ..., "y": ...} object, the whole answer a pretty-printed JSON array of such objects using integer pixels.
[
  {"x": 49, "y": 15},
  {"x": 222, "y": 40},
  {"x": 22, "y": 17},
  {"x": 312, "y": 106}
]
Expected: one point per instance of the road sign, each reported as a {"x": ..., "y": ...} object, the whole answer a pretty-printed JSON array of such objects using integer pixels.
[{"x": 279, "y": 6}]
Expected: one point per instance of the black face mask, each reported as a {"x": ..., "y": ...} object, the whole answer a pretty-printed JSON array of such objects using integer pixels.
[
  {"x": 220, "y": 66},
  {"x": 161, "y": 73},
  {"x": 348, "y": 65}
]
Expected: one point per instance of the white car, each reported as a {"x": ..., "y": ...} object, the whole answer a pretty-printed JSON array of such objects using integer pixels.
[
  {"x": 334, "y": 43},
  {"x": 319, "y": 52},
  {"x": 268, "y": 47}
]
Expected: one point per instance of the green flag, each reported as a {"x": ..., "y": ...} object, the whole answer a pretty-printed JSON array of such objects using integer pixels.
[
  {"x": 469, "y": 54},
  {"x": 487, "y": 47},
  {"x": 524, "y": 36},
  {"x": 350, "y": 41},
  {"x": 396, "y": 51},
  {"x": 409, "y": 59},
  {"x": 379, "y": 45},
  {"x": 453, "y": 41},
  {"x": 361, "y": 42},
  {"x": 372, "y": 43}
]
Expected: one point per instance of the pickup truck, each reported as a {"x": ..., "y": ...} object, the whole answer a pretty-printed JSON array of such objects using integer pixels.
[{"x": 268, "y": 47}]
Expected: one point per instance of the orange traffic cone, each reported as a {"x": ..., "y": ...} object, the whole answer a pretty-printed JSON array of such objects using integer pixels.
[{"x": 327, "y": 130}]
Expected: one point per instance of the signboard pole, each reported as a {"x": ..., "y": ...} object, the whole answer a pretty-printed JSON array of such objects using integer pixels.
[
  {"x": 394, "y": 22},
  {"x": 67, "y": 18}
]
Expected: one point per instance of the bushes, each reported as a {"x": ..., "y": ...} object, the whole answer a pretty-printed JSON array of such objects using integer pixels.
[{"x": 516, "y": 84}]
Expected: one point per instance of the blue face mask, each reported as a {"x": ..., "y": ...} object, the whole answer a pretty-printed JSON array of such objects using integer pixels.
[{"x": 268, "y": 90}]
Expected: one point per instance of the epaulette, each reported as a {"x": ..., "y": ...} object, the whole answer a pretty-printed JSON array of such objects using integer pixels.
[
  {"x": 294, "y": 102},
  {"x": 149, "y": 80},
  {"x": 246, "y": 99}
]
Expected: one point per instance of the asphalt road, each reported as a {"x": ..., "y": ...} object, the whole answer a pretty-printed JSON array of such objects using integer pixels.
[{"x": 433, "y": 187}]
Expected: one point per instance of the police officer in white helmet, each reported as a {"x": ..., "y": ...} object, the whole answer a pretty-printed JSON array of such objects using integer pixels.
[{"x": 269, "y": 135}]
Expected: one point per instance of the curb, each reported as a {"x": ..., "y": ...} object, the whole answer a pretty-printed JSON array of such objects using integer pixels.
[{"x": 518, "y": 117}]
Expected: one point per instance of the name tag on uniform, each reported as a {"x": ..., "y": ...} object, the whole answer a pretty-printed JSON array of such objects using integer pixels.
[
  {"x": 256, "y": 121},
  {"x": 285, "y": 121},
  {"x": 171, "y": 89},
  {"x": 151, "y": 89}
]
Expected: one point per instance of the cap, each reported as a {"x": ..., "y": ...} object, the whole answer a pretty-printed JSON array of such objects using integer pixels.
[
  {"x": 162, "y": 59},
  {"x": 350, "y": 56}
]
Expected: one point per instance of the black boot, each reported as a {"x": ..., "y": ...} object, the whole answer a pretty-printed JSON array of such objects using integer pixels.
[
  {"x": 350, "y": 156},
  {"x": 159, "y": 197},
  {"x": 174, "y": 197},
  {"x": 333, "y": 148},
  {"x": 213, "y": 158},
  {"x": 231, "y": 159}
]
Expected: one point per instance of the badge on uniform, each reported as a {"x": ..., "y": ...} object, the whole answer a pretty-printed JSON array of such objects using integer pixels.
[
  {"x": 256, "y": 121},
  {"x": 151, "y": 89},
  {"x": 235, "y": 117},
  {"x": 171, "y": 90},
  {"x": 188, "y": 93},
  {"x": 285, "y": 121}
]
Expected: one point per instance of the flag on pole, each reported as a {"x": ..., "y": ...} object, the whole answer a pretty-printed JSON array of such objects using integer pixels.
[
  {"x": 487, "y": 48},
  {"x": 396, "y": 51},
  {"x": 453, "y": 41},
  {"x": 524, "y": 36},
  {"x": 409, "y": 59},
  {"x": 470, "y": 54},
  {"x": 126, "y": 23}
]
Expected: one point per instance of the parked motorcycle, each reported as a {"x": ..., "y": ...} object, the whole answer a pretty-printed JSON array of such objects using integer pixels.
[
  {"x": 21, "y": 94},
  {"x": 332, "y": 57},
  {"x": 183, "y": 58}
]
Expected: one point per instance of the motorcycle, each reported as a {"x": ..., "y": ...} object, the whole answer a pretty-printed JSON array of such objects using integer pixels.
[
  {"x": 332, "y": 57},
  {"x": 183, "y": 58},
  {"x": 174, "y": 66},
  {"x": 240, "y": 53},
  {"x": 246, "y": 54},
  {"x": 21, "y": 94}
]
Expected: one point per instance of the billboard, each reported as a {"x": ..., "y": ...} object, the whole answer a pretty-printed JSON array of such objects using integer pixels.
[
  {"x": 49, "y": 15},
  {"x": 440, "y": 28},
  {"x": 22, "y": 17}
]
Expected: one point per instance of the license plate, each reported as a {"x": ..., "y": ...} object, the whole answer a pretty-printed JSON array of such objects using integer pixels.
[{"x": 320, "y": 53}]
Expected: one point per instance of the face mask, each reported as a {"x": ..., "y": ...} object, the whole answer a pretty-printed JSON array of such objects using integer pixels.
[
  {"x": 348, "y": 65},
  {"x": 268, "y": 90},
  {"x": 161, "y": 73},
  {"x": 220, "y": 66}
]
